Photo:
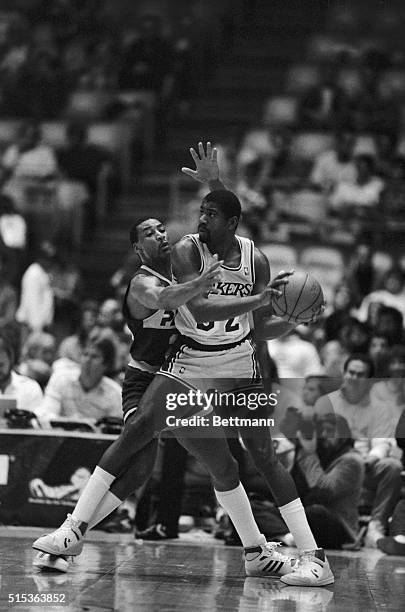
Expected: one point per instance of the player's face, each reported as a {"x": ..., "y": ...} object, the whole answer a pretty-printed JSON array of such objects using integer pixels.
[
  {"x": 5, "y": 366},
  {"x": 152, "y": 240},
  {"x": 212, "y": 224}
]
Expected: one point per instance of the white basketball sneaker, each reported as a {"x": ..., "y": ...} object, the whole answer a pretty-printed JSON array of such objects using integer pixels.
[
  {"x": 311, "y": 569},
  {"x": 265, "y": 560},
  {"x": 67, "y": 540},
  {"x": 45, "y": 561}
]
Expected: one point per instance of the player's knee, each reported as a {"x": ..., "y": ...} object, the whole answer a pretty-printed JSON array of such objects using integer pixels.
[
  {"x": 225, "y": 475},
  {"x": 264, "y": 458},
  {"x": 139, "y": 428}
]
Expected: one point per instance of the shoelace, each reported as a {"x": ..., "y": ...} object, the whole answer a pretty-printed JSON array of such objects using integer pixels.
[
  {"x": 271, "y": 547},
  {"x": 68, "y": 525},
  {"x": 302, "y": 559}
]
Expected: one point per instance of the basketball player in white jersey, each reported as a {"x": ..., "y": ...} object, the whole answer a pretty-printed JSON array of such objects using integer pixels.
[{"x": 223, "y": 365}]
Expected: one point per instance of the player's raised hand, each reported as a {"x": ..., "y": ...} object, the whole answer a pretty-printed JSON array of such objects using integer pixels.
[{"x": 206, "y": 164}]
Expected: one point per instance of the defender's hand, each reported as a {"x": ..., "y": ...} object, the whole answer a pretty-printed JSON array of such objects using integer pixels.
[
  {"x": 206, "y": 164},
  {"x": 208, "y": 279}
]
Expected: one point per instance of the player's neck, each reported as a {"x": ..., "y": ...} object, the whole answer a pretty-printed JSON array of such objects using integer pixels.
[
  {"x": 161, "y": 266},
  {"x": 226, "y": 249}
]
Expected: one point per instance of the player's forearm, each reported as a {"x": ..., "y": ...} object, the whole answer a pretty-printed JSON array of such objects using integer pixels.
[
  {"x": 215, "y": 184},
  {"x": 174, "y": 296},
  {"x": 271, "y": 328},
  {"x": 223, "y": 309}
]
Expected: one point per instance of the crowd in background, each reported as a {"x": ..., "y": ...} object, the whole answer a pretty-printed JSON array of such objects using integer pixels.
[{"x": 62, "y": 356}]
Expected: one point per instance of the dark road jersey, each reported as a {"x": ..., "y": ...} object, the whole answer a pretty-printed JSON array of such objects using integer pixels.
[{"x": 152, "y": 335}]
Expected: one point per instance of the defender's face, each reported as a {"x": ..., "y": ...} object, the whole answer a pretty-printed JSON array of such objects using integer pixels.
[
  {"x": 152, "y": 240},
  {"x": 212, "y": 224}
]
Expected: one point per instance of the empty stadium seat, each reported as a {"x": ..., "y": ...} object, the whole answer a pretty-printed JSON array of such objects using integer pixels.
[
  {"x": 302, "y": 77},
  {"x": 325, "y": 257},
  {"x": 326, "y": 265},
  {"x": 307, "y": 205},
  {"x": 88, "y": 104},
  {"x": 395, "y": 81},
  {"x": 381, "y": 261},
  {"x": 280, "y": 256},
  {"x": 308, "y": 145},
  {"x": 281, "y": 110},
  {"x": 365, "y": 145}
]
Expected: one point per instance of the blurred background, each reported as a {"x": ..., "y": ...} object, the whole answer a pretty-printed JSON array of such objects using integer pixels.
[{"x": 100, "y": 101}]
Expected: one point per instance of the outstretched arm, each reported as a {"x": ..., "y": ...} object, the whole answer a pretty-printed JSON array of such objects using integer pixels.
[
  {"x": 148, "y": 291},
  {"x": 207, "y": 169}
]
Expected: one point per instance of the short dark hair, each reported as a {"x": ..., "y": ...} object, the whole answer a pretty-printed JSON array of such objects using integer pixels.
[
  {"x": 322, "y": 380},
  {"x": 107, "y": 349},
  {"x": 133, "y": 232},
  {"x": 6, "y": 345},
  {"x": 360, "y": 357},
  {"x": 227, "y": 202},
  {"x": 397, "y": 353}
]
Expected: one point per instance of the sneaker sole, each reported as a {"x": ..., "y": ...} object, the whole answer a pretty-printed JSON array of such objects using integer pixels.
[
  {"x": 59, "y": 565},
  {"x": 56, "y": 553},
  {"x": 319, "y": 583}
]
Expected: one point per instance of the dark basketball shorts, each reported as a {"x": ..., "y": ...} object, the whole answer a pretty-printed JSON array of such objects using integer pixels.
[{"x": 136, "y": 382}]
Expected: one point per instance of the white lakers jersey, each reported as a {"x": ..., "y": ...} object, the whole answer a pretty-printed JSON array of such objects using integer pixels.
[{"x": 235, "y": 283}]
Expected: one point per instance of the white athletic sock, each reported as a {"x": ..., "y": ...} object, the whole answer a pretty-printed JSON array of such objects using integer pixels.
[
  {"x": 295, "y": 518},
  {"x": 237, "y": 505},
  {"x": 92, "y": 494},
  {"x": 109, "y": 503}
]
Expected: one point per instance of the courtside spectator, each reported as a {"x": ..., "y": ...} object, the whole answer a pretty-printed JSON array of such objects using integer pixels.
[
  {"x": 26, "y": 391},
  {"x": 379, "y": 351},
  {"x": 294, "y": 357},
  {"x": 85, "y": 165},
  {"x": 359, "y": 199},
  {"x": 335, "y": 166},
  {"x": 341, "y": 310},
  {"x": 361, "y": 275},
  {"x": 394, "y": 543},
  {"x": 371, "y": 428},
  {"x": 86, "y": 393},
  {"x": 36, "y": 309},
  {"x": 314, "y": 387},
  {"x": 333, "y": 474},
  {"x": 390, "y": 393},
  {"x": 389, "y": 323},
  {"x": 393, "y": 195},
  {"x": 392, "y": 294},
  {"x": 8, "y": 295},
  {"x": 13, "y": 234},
  {"x": 30, "y": 164},
  {"x": 73, "y": 346}
]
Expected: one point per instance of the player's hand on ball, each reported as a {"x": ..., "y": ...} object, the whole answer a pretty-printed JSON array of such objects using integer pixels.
[
  {"x": 281, "y": 279},
  {"x": 273, "y": 289},
  {"x": 206, "y": 164}
]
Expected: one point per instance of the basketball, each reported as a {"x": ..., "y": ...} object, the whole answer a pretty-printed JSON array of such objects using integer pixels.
[{"x": 301, "y": 298}]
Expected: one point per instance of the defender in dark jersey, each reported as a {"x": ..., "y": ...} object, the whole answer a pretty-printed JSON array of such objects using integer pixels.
[{"x": 149, "y": 309}]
